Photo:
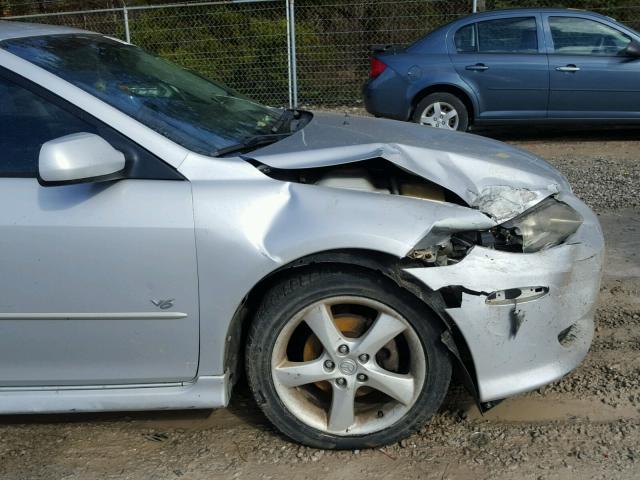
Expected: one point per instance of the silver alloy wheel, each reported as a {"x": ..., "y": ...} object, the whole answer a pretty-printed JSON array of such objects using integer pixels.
[
  {"x": 363, "y": 397},
  {"x": 440, "y": 115}
]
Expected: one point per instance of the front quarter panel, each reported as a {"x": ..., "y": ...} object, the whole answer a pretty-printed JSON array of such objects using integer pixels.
[{"x": 249, "y": 225}]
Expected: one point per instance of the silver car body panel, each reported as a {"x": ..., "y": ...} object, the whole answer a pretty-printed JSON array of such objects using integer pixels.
[
  {"x": 141, "y": 237},
  {"x": 106, "y": 251},
  {"x": 206, "y": 392}
]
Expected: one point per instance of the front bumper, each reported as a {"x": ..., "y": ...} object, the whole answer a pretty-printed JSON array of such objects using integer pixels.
[{"x": 512, "y": 360}]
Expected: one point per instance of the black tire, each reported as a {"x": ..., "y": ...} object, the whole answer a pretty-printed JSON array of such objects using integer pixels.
[
  {"x": 451, "y": 99},
  {"x": 297, "y": 292}
]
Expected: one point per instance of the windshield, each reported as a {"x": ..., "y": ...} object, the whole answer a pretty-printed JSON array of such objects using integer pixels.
[{"x": 196, "y": 113}]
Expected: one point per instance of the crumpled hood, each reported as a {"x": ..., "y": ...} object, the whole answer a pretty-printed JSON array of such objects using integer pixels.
[{"x": 500, "y": 180}]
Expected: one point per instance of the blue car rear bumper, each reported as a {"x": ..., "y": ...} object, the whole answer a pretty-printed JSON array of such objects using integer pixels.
[{"x": 381, "y": 96}]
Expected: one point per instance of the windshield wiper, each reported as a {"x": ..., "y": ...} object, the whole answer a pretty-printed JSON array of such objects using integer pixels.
[{"x": 251, "y": 142}]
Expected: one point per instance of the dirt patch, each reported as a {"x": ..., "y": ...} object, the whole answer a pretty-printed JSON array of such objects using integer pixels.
[{"x": 541, "y": 409}]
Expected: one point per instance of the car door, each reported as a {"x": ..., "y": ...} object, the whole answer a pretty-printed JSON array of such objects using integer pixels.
[
  {"x": 590, "y": 75},
  {"x": 503, "y": 61},
  {"x": 98, "y": 281}
]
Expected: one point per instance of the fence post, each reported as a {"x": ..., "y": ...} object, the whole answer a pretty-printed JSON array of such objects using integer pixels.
[
  {"x": 127, "y": 33},
  {"x": 479, "y": 6},
  {"x": 290, "y": 76},
  {"x": 291, "y": 53}
]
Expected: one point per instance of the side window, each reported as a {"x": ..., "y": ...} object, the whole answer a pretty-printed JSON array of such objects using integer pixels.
[
  {"x": 581, "y": 36},
  {"x": 508, "y": 35},
  {"x": 26, "y": 122},
  {"x": 465, "y": 39}
]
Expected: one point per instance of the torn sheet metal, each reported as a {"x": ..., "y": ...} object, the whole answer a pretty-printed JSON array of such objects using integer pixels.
[
  {"x": 504, "y": 202},
  {"x": 499, "y": 179}
]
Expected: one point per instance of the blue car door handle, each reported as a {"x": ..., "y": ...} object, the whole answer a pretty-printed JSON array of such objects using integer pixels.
[
  {"x": 478, "y": 67},
  {"x": 569, "y": 68}
]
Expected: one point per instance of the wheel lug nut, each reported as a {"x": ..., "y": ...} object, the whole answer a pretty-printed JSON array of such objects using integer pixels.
[
  {"x": 362, "y": 377},
  {"x": 328, "y": 364},
  {"x": 341, "y": 382},
  {"x": 363, "y": 357},
  {"x": 343, "y": 349}
]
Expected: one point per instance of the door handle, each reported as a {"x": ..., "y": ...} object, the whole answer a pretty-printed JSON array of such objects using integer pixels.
[
  {"x": 478, "y": 67},
  {"x": 569, "y": 68}
]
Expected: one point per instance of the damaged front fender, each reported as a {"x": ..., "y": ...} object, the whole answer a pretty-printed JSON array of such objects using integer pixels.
[{"x": 249, "y": 225}]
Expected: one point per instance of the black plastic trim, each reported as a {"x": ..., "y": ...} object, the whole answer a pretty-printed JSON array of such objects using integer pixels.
[{"x": 101, "y": 178}]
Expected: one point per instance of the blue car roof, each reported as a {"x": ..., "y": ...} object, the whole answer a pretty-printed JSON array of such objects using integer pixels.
[{"x": 518, "y": 11}]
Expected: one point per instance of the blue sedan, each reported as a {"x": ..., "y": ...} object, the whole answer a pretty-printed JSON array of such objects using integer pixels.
[{"x": 521, "y": 65}]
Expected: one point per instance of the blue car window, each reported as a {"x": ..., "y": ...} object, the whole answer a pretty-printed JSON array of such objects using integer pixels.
[
  {"x": 581, "y": 36},
  {"x": 465, "y": 39},
  {"x": 508, "y": 35}
]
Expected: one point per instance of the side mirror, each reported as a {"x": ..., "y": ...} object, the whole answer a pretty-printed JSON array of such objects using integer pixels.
[
  {"x": 78, "y": 158},
  {"x": 633, "y": 49}
]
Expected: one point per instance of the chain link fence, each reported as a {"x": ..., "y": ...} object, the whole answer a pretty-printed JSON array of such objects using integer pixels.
[
  {"x": 333, "y": 39},
  {"x": 306, "y": 52},
  {"x": 244, "y": 45}
]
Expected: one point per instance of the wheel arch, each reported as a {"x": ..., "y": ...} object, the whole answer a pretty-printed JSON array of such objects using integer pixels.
[
  {"x": 378, "y": 262},
  {"x": 465, "y": 97}
]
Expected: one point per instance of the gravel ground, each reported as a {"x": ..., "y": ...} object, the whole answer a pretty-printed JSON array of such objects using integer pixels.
[
  {"x": 606, "y": 175},
  {"x": 611, "y": 175},
  {"x": 585, "y": 426}
]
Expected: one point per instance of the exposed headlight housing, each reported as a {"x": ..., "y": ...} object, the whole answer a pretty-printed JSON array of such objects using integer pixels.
[{"x": 547, "y": 224}]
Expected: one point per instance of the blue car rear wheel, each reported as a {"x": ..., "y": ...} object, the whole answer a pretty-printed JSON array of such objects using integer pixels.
[{"x": 442, "y": 110}]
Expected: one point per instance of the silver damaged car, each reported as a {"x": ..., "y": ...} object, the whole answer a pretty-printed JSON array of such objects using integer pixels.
[{"x": 161, "y": 234}]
